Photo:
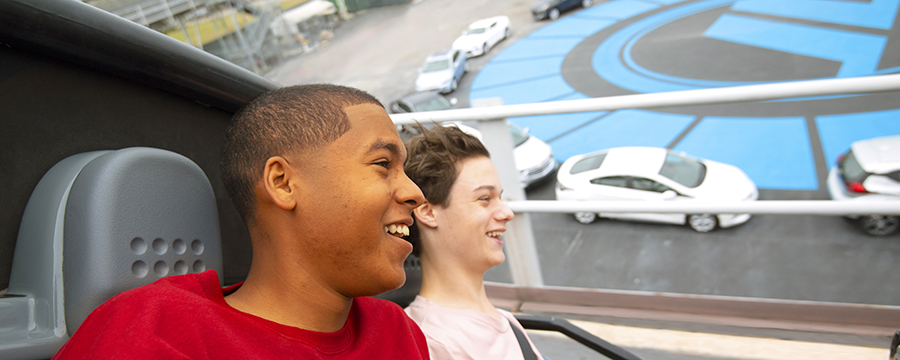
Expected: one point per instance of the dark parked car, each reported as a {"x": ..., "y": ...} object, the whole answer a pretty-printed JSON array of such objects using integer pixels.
[
  {"x": 422, "y": 101},
  {"x": 543, "y": 9}
]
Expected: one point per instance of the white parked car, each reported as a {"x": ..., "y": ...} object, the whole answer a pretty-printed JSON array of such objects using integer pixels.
[
  {"x": 534, "y": 158},
  {"x": 648, "y": 173},
  {"x": 869, "y": 171},
  {"x": 482, "y": 35}
]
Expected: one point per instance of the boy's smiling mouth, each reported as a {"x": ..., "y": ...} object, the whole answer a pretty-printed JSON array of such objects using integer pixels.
[{"x": 399, "y": 230}]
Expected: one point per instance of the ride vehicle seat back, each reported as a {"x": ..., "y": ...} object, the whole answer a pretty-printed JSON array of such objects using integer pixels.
[{"x": 97, "y": 224}]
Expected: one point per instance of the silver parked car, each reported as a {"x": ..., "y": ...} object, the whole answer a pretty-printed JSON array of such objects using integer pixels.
[
  {"x": 869, "y": 171},
  {"x": 442, "y": 71}
]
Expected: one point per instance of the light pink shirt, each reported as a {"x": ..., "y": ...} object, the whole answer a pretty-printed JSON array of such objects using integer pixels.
[{"x": 456, "y": 334}]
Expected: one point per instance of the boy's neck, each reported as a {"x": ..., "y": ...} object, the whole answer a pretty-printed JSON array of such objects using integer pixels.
[
  {"x": 455, "y": 289},
  {"x": 297, "y": 299}
]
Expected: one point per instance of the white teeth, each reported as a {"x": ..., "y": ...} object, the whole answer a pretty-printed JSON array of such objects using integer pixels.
[{"x": 397, "y": 229}]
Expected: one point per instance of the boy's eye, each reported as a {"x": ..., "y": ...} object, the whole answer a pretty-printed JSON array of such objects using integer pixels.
[{"x": 383, "y": 163}]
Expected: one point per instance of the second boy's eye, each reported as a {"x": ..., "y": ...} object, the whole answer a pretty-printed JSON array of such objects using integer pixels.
[{"x": 383, "y": 163}]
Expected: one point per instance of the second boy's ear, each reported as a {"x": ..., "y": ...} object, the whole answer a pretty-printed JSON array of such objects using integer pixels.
[
  {"x": 425, "y": 215},
  {"x": 279, "y": 183}
]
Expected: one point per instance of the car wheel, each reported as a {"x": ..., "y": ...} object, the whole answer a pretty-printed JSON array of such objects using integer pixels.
[
  {"x": 703, "y": 222},
  {"x": 554, "y": 14},
  {"x": 585, "y": 217},
  {"x": 466, "y": 66},
  {"x": 587, "y": 3},
  {"x": 506, "y": 34},
  {"x": 484, "y": 49},
  {"x": 454, "y": 85},
  {"x": 879, "y": 225}
]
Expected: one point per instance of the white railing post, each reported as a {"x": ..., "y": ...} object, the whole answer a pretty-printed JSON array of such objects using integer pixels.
[
  {"x": 143, "y": 18},
  {"x": 168, "y": 11},
  {"x": 519, "y": 238}
]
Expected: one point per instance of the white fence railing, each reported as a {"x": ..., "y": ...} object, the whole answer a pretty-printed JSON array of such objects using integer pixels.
[
  {"x": 772, "y": 207},
  {"x": 786, "y": 90},
  {"x": 491, "y": 115}
]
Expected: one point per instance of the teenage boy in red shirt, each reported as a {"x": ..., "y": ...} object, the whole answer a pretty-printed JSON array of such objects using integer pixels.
[{"x": 316, "y": 172}]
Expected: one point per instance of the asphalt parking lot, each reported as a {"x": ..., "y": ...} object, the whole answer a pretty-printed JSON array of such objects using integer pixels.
[
  {"x": 380, "y": 49},
  {"x": 789, "y": 257}
]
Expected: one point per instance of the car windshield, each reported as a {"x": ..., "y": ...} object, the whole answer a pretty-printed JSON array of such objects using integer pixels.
[
  {"x": 850, "y": 168},
  {"x": 683, "y": 170},
  {"x": 433, "y": 104},
  {"x": 475, "y": 31},
  {"x": 587, "y": 164},
  {"x": 436, "y": 65},
  {"x": 518, "y": 136}
]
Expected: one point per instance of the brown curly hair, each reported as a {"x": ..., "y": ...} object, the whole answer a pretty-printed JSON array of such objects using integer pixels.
[{"x": 433, "y": 164}]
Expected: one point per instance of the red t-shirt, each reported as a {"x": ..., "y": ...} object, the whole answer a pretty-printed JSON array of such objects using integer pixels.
[{"x": 186, "y": 317}]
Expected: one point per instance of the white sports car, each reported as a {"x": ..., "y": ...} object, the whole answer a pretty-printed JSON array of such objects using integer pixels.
[
  {"x": 647, "y": 173},
  {"x": 482, "y": 35}
]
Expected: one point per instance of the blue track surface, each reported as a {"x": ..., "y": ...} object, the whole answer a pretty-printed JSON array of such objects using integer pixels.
[
  {"x": 859, "y": 53},
  {"x": 775, "y": 152},
  {"x": 623, "y": 128},
  {"x": 878, "y": 14},
  {"x": 837, "y": 132}
]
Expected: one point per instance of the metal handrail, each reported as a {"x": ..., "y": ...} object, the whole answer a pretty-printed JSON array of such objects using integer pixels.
[
  {"x": 563, "y": 326},
  {"x": 774, "y": 91},
  {"x": 783, "y": 207}
]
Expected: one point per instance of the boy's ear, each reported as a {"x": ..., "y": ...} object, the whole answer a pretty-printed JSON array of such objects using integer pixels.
[
  {"x": 279, "y": 182},
  {"x": 425, "y": 215}
]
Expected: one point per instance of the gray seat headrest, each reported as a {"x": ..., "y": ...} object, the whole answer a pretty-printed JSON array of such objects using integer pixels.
[{"x": 132, "y": 217}]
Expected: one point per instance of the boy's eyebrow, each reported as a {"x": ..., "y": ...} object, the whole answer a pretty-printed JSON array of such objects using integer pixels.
[
  {"x": 488, "y": 187},
  {"x": 384, "y": 145}
]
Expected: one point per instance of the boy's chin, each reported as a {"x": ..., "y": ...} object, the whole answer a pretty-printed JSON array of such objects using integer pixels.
[
  {"x": 383, "y": 285},
  {"x": 395, "y": 282}
]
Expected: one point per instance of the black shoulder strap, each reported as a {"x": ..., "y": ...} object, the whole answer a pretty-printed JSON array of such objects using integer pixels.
[{"x": 523, "y": 343}]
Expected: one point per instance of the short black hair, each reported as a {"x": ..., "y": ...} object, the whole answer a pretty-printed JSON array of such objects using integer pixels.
[{"x": 280, "y": 122}]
